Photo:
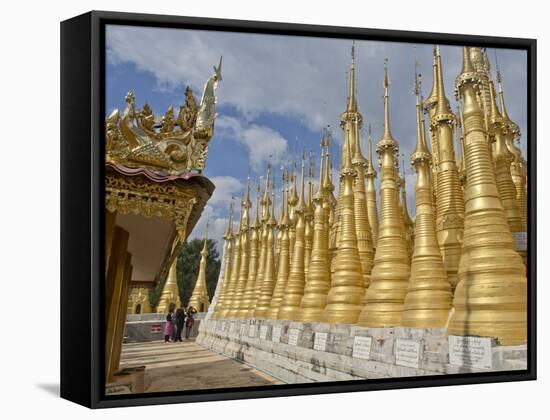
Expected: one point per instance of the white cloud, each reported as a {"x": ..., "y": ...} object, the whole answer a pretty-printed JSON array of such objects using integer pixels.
[
  {"x": 263, "y": 143},
  {"x": 226, "y": 187}
]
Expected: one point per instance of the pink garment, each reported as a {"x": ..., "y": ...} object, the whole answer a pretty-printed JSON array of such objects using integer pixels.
[{"x": 168, "y": 328}]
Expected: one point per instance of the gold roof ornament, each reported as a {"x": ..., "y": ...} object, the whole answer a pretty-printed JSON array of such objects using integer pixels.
[
  {"x": 428, "y": 299},
  {"x": 486, "y": 303},
  {"x": 167, "y": 144}
]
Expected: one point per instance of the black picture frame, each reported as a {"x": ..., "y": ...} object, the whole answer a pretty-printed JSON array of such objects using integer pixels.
[{"x": 82, "y": 204}]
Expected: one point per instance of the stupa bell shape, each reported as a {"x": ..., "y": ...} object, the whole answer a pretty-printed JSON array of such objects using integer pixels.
[
  {"x": 345, "y": 297},
  {"x": 233, "y": 278},
  {"x": 246, "y": 304},
  {"x": 491, "y": 296},
  {"x": 294, "y": 290},
  {"x": 518, "y": 167},
  {"x": 244, "y": 231},
  {"x": 317, "y": 285},
  {"x": 269, "y": 279},
  {"x": 199, "y": 298},
  {"x": 449, "y": 197},
  {"x": 428, "y": 299},
  {"x": 170, "y": 297},
  {"x": 390, "y": 275},
  {"x": 283, "y": 260},
  {"x": 226, "y": 268},
  {"x": 372, "y": 208}
]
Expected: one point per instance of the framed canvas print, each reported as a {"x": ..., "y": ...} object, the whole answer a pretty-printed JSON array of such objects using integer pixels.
[{"x": 256, "y": 209}]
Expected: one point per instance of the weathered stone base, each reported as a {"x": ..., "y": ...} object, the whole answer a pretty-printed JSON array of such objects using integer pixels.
[{"x": 298, "y": 356}]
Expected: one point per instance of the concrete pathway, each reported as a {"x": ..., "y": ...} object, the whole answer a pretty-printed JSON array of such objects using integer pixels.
[{"x": 187, "y": 366}]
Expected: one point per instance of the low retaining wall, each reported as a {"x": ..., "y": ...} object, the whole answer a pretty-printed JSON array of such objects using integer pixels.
[
  {"x": 150, "y": 327},
  {"x": 296, "y": 352}
]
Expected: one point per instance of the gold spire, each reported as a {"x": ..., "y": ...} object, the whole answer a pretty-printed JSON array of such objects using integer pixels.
[
  {"x": 390, "y": 275},
  {"x": 262, "y": 236},
  {"x": 407, "y": 221},
  {"x": 372, "y": 208},
  {"x": 428, "y": 299},
  {"x": 229, "y": 300},
  {"x": 362, "y": 226},
  {"x": 246, "y": 304},
  {"x": 294, "y": 289},
  {"x": 431, "y": 101},
  {"x": 268, "y": 280},
  {"x": 283, "y": 260},
  {"x": 170, "y": 294},
  {"x": 388, "y": 137},
  {"x": 227, "y": 255},
  {"x": 449, "y": 197},
  {"x": 244, "y": 246},
  {"x": 308, "y": 215},
  {"x": 347, "y": 285},
  {"x": 503, "y": 158},
  {"x": 486, "y": 302},
  {"x": 199, "y": 298},
  {"x": 352, "y": 100},
  {"x": 318, "y": 276},
  {"x": 517, "y": 167}
]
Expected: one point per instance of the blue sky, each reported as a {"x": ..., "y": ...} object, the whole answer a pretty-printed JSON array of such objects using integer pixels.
[{"x": 279, "y": 91}]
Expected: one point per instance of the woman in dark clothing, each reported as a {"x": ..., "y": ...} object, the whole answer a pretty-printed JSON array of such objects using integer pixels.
[
  {"x": 189, "y": 321},
  {"x": 180, "y": 321},
  {"x": 168, "y": 327}
]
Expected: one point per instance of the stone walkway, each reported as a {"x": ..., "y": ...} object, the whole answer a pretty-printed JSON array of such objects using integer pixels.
[{"x": 187, "y": 366}]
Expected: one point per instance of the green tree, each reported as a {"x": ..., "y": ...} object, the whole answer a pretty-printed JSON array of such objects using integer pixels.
[{"x": 188, "y": 268}]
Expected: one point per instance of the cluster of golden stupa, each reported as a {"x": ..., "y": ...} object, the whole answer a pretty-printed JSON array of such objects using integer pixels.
[{"x": 336, "y": 260}]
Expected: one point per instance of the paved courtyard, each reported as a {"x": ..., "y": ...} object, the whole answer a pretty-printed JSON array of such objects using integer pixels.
[{"x": 187, "y": 366}]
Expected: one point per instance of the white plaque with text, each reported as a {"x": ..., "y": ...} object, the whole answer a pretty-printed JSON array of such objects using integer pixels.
[
  {"x": 407, "y": 353},
  {"x": 520, "y": 241},
  {"x": 232, "y": 328},
  {"x": 263, "y": 332},
  {"x": 293, "y": 335},
  {"x": 224, "y": 326},
  {"x": 320, "y": 342},
  {"x": 276, "y": 336},
  {"x": 361, "y": 347},
  {"x": 242, "y": 329},
  {"x": 252, "y": 331},
  {"x": 473, "y": 352}
]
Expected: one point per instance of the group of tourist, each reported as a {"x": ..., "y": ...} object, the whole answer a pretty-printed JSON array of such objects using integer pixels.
[{"x": 176, "y": 321}]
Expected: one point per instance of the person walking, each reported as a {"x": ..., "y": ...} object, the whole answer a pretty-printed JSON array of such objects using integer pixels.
[
  {"x": 191, "y": 311},
  {"x": 168, "y": 326},
  {"x": 180, "y": 322}
]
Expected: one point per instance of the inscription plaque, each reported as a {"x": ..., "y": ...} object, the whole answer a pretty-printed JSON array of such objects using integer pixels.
[
  {"x": 361, "y": 347},
  {"x": 293, "y": 335},
  {"x": 320, "y": 342},
  {"x": 241, "y": 330},
  {"x": 252, "y": 331},
  {"x": 232, "y": 328},
  {"x": 407, "y": 353},
  {"x": 276, "y": 336},
  {"x": 263, "y": 332},
  {"x": 470, "y": 352}
]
